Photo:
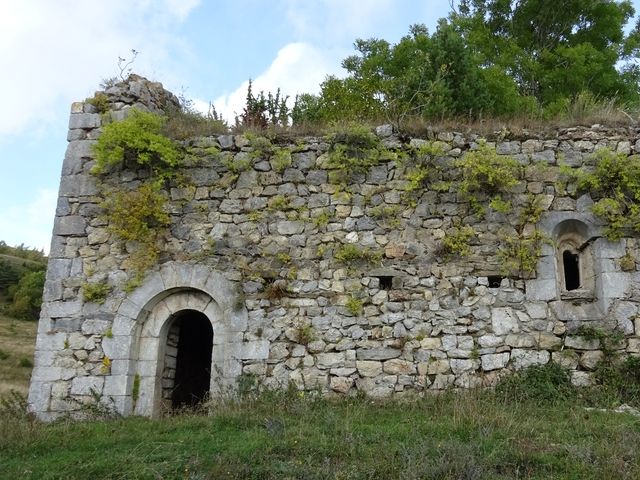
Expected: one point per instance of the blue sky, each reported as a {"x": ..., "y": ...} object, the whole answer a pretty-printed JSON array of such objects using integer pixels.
[{"x": 54, "y": 52}]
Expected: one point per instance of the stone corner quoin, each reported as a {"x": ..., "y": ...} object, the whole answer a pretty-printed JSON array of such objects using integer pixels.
[{"x": 277, "y": 273}]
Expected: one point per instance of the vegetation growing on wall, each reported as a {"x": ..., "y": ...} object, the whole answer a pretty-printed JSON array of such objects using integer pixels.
[
  {"x": 137, "y": 215},
  {"x": 355, "y": 150},
  {"x": 136, "y": 141},
  {"x": 456, "y": 242},
  {"x": 422, "y": 171},
  {"x": 184, "y": 123},
  {"x": 485, "y": 174},
  {"x": 615, "y": 186},
  {"x": 519, "y": 253},
  {"x": 95, "y": 292},
  {"x": 351, "y": 255}
]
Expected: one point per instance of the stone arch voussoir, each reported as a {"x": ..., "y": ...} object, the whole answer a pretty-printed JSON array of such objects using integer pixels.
[{"x": 142, "y": 321}]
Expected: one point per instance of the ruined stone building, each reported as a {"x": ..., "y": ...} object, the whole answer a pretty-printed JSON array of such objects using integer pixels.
[{"x": 277, "y": 265}]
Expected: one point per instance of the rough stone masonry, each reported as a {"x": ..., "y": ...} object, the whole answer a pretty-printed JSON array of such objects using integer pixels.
[{"x": 251, "y": 263}]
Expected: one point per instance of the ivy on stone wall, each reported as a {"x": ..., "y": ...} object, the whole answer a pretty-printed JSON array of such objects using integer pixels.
[
  {"x": 137, "y": 215},
  {"x": 615, "y": 186},
  {"x": 487, "y": 174}
]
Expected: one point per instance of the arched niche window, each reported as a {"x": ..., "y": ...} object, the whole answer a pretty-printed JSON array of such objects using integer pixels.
[{"x": 574, "y": 260}]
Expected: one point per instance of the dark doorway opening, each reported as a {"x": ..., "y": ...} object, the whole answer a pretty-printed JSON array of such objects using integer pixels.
[
  {"x": 193, "y": 359},
  {"x": 571, "y": 264}
]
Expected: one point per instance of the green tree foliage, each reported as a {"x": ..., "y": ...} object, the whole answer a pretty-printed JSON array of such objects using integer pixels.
[
  {"x": 15, "y": 263},
  {"x": 262, "y": 111},
  {"x": 8, "y": 275},
  {"x": 27, "y": 297},
  {"x": 488, "y": 58},
  {"x": 23, "y": 252},
  {"x": 432, "y": 76},
  {"x": 555, "y": 51},
  {"x": 426, "y": 75}
]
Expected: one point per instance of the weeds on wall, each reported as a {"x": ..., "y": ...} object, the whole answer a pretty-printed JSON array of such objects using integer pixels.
[
  {"x": 304, "y": 333},
  {"x": 627, "y": 262},
  {"x": 95, "y": 292},
  {"x": 519, "y": 253},
  {"x": 485, "y": 174},
  {"x": 421, "y": 171},
  {"x": 276, "y": 289},
  {"x": 237, "y": 164},
  {"x": 137, "y": 141},
  {"x": 137, "y": 215},
  {"x": 100, "y": 101},
  {"x": 354, "y": 305},
  {"x": 261, "y": 146},
  {"x": 351, "y": 255},
  {"x": 135, "y": 390},
  {"x": 281, "y": 159},
  {"x": 355, "y": 150},
  {"x": 186, "y": 123},
  {"x": 456, "y": 242},
  {"x": 614, "y": 184}
]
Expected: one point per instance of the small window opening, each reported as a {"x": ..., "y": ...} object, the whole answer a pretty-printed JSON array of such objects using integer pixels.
[
  {"x": 495, "y": 281},
  {"x": 571, "y": 263},
  {"x": 385, "y": 282}
]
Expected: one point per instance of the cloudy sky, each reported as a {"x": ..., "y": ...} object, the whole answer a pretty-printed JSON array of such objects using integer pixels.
[{"x": 54, "y": 52}]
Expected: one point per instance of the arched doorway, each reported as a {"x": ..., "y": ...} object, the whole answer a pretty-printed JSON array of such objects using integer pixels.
[
  {"x": 141, "y": 328},
  {"x": 186, "y": 377}
]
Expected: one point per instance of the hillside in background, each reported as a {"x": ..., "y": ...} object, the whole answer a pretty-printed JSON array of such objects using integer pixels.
[{"x": 22, "y": 272}]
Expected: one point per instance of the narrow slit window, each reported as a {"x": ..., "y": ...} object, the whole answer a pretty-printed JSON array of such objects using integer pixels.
[
  {"x": 385, "y": 282},
  {"x": 571, "y": 263},
  {"x": 494, "y": 281}
]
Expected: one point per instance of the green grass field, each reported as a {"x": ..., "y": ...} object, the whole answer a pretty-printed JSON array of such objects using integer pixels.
[
  {"x": 537, "y": 427},
  {"x": 472, "y": 435}
]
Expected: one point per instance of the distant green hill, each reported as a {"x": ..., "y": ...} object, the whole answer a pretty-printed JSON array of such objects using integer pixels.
[{"x": 21, "y": 280}]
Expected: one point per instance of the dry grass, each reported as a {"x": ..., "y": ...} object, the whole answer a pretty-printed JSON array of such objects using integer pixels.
[
  {"x": 17, "y": 344},
  {"x": 586, "y": 110}
]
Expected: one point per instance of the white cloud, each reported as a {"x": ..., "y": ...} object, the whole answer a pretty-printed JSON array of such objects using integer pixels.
[
  {"x": 297, "y": 68},
  {"x": 33, "y": 221},
  {"x": 337, "y": 21},
  {"x": 53, "y": 52},
  {"x": 181, "y": 8}
]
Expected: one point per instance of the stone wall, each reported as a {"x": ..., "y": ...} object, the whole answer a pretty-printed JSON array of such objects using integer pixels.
[{"x": 258, "y": 252}]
